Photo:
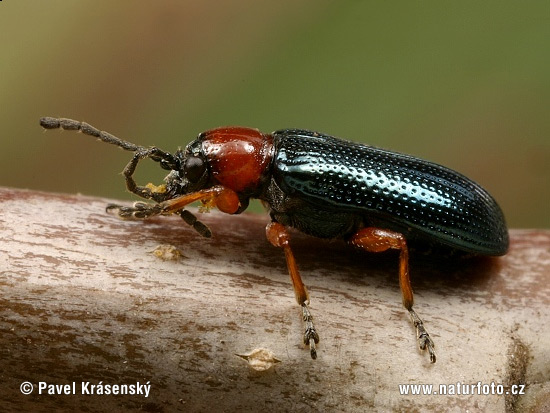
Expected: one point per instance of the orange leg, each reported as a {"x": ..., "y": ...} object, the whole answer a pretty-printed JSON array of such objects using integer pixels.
[
  {"x": 279, "y": 237},
  {"x": 379, "y": 240},
  {"x": 225, "y": 199}
]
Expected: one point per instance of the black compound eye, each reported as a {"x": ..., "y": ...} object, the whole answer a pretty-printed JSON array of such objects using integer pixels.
[{"x": 194, "y": 168}]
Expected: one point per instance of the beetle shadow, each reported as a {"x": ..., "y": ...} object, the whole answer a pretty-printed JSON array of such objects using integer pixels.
[
  {"x": 435, "y": 271},
  {"x": 462, "y": 273},
  {"x": 237, "y": 238}
]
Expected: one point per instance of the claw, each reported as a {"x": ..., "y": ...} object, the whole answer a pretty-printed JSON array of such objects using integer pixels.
[{"x": 119, "y": 210}]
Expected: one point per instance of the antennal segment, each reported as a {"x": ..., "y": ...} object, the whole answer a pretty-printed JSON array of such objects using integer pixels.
[{"x": 87, "y": 129}]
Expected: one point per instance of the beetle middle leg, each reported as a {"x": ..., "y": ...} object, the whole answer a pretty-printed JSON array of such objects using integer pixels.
[
  {"x": 278, "y": 236},
  {"x": 379, "y": 240}
]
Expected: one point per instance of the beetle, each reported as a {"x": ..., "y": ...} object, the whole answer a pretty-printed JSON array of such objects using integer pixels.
[{"x": 326, "y": 187}]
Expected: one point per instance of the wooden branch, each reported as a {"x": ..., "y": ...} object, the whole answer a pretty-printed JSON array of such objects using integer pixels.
[{"x": 88, "y": 298}]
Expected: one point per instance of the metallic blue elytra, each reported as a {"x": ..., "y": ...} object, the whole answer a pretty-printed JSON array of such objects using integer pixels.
[{"x": 343, "y": 186}]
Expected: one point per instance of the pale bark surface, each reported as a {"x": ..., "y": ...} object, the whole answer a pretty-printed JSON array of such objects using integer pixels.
[{"x": 84, "y": 298}]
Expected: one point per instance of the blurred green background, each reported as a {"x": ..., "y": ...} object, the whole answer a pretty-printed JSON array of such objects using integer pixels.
[{"x": 465, "y": 84}]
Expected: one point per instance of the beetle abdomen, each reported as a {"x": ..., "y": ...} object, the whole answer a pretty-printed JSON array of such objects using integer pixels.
[{"x": 400, "y": 192}]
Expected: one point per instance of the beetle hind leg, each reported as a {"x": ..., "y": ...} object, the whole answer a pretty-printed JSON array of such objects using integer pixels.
[
  {"x": 278, "y": 236},
  {"x": 379, "y": 240}
]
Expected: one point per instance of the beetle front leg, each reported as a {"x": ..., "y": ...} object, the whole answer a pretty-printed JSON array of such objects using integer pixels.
[
  {"x": 379, "y": 240},
  {"x": 224, "y": 199},
  {"x": 139, "y": 210},
  {"x": 142, "y": 210},
  {"x": 278, "y": 236}
]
